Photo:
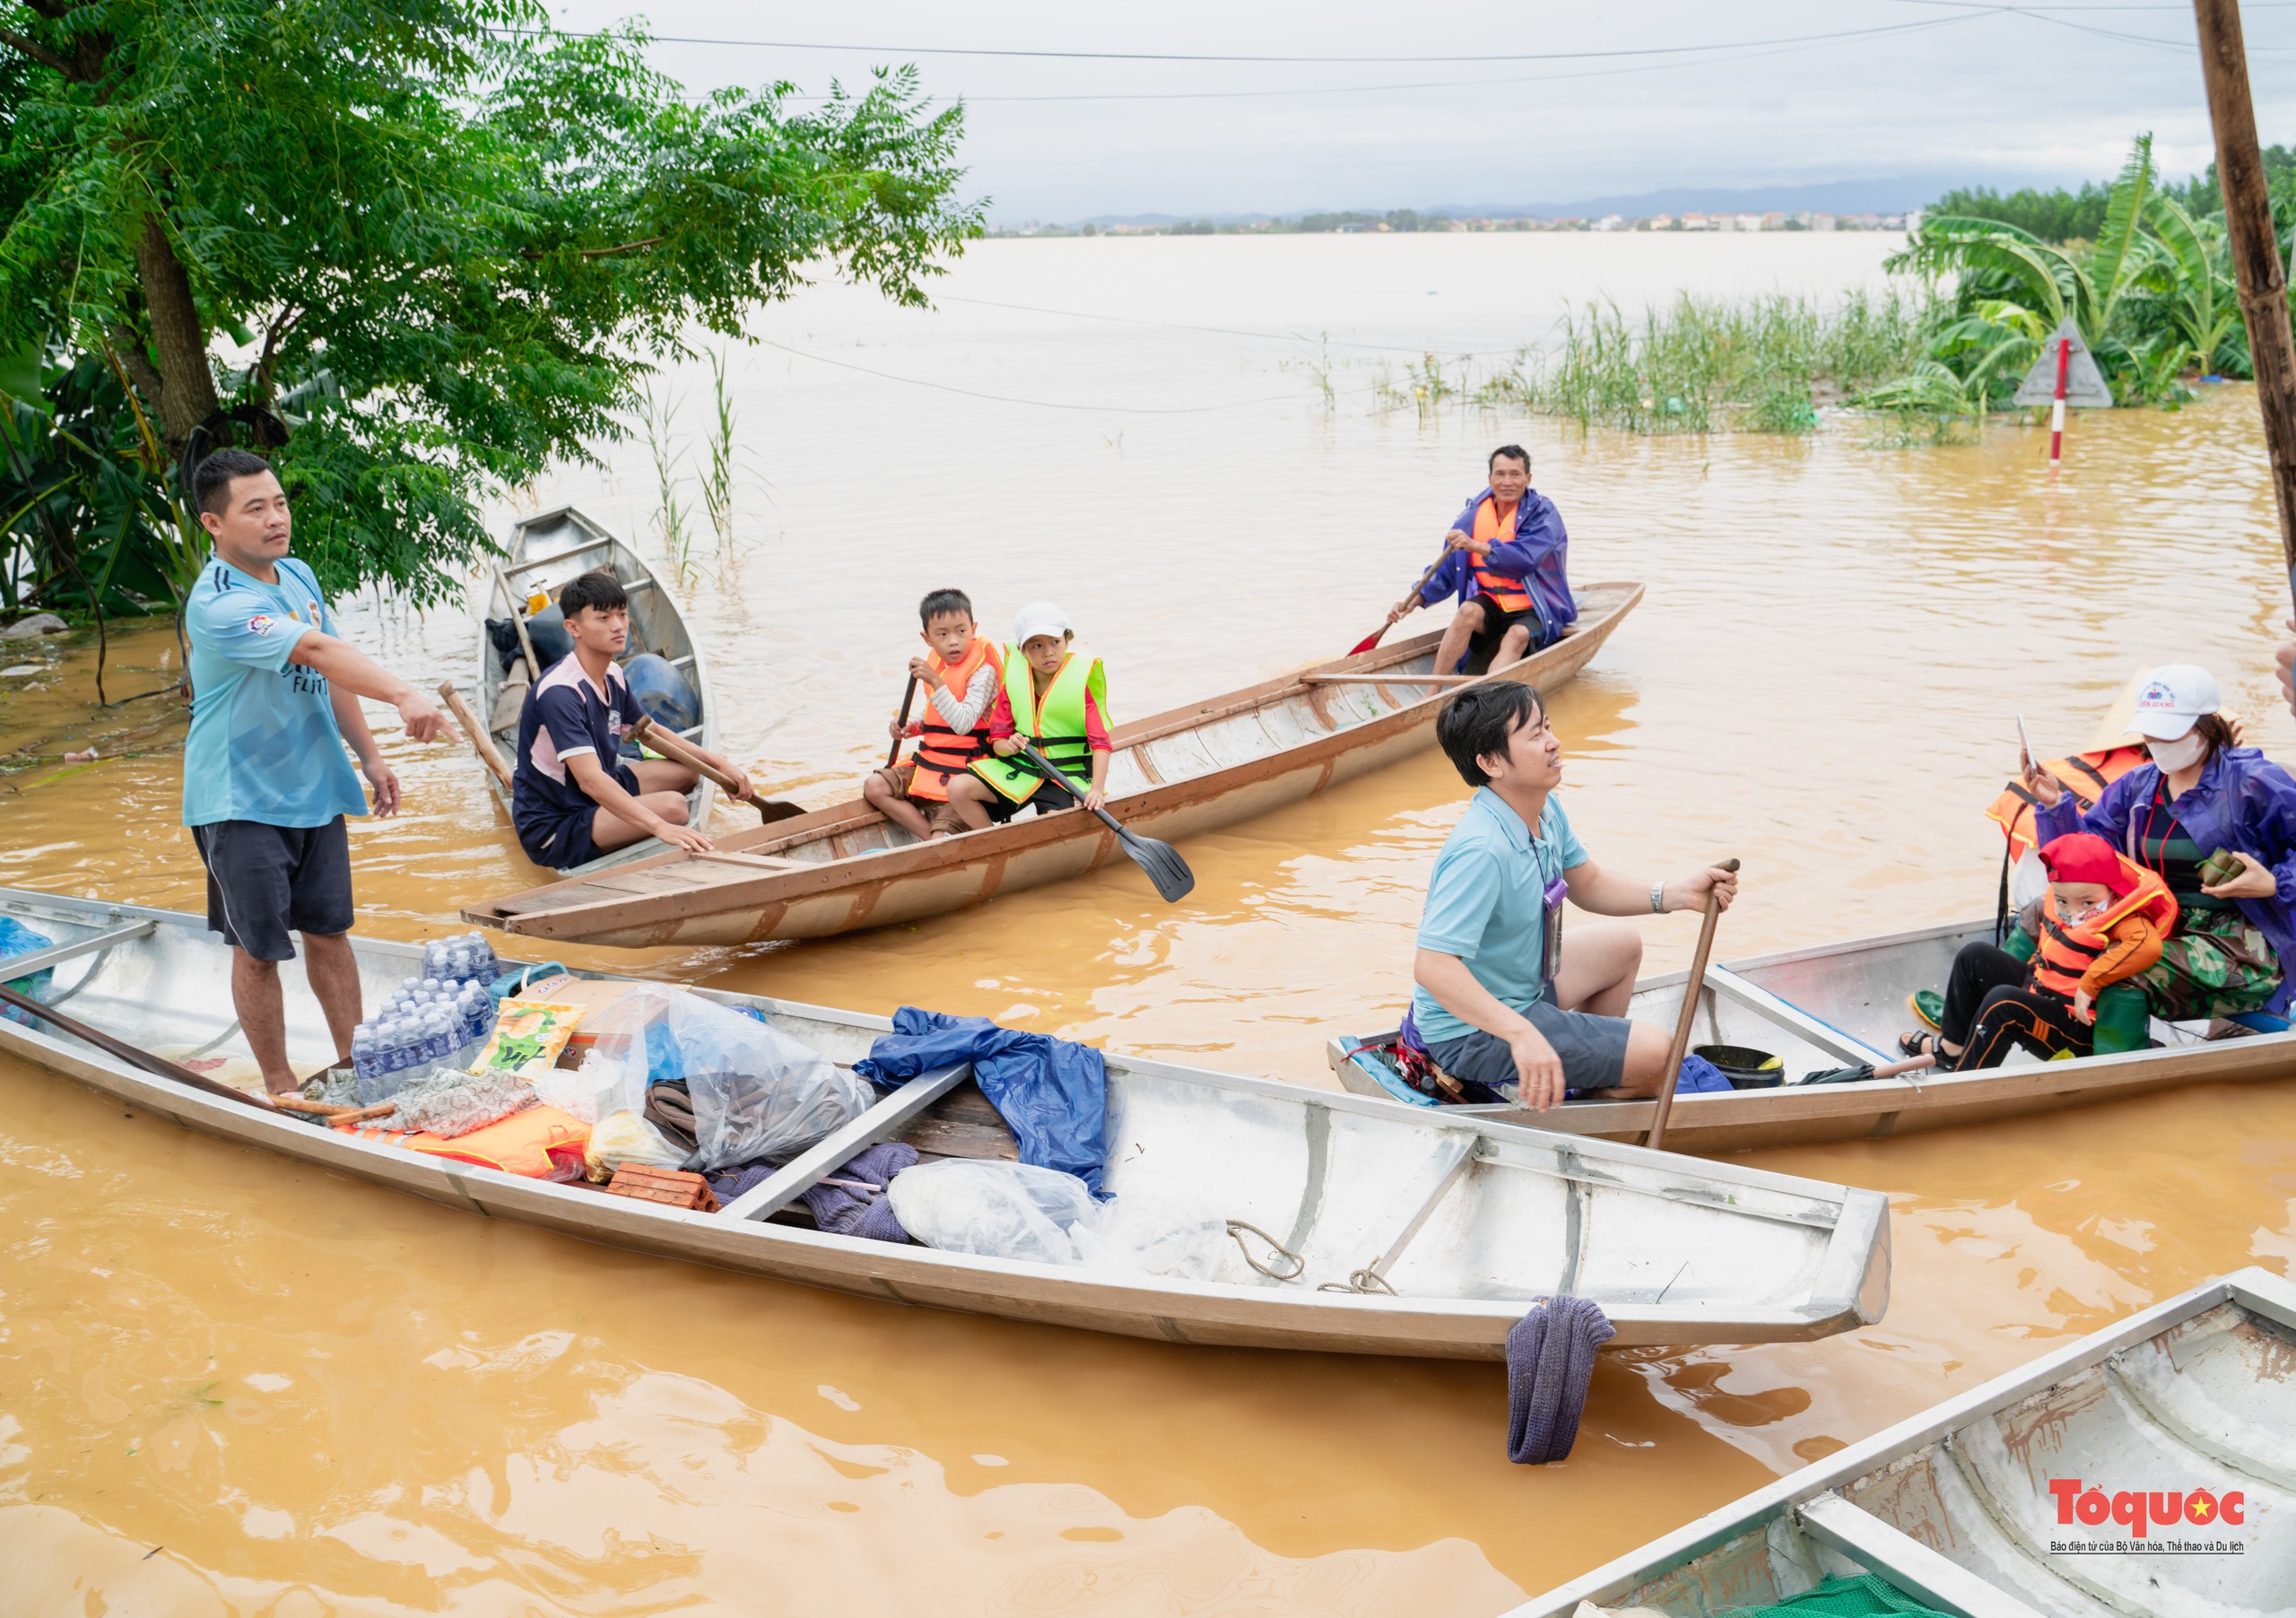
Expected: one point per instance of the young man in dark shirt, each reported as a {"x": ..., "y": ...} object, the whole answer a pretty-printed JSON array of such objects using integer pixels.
[{"x": 573, "y": 797}]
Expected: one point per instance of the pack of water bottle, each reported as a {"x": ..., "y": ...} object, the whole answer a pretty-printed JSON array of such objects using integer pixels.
[{"x": 430, "y": 1022}]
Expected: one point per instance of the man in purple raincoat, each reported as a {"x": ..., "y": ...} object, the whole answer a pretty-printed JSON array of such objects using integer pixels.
[
  {"x": 2200, "y": 796},
  {"x": 1505, "y": 559}
]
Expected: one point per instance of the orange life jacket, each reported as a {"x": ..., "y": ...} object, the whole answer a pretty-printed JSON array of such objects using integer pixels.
[
  {"x": 2065, "y": 953},
  {"x": 540, "y": 1143},
  {"x": 941, "y": 751},
  {"x": 1508, "y": 595},
  {"x": 2084, "y": 775}
]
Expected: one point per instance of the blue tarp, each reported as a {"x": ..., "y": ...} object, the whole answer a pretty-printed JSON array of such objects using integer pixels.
[
  {"x": 1052, "y": 1092},
  {"x": 17, "y": 939}
]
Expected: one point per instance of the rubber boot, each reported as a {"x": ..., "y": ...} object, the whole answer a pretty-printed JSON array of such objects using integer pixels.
[{"x": 2124, "y": 1019}]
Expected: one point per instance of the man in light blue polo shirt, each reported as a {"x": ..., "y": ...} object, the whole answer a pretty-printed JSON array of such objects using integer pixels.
[
  {"x": 1503, "y": 998},
  {"x": 274, "y": 695}
]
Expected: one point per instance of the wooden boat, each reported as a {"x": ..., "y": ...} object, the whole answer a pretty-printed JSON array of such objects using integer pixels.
[
  {"x": 1174, "y": 774},
  {"x": 1836, "y": 1006},
  {"x": 1955, "y": 1507},
  {"x": 545, "y": 552},
  {"x": 1466, "y": 1222}
]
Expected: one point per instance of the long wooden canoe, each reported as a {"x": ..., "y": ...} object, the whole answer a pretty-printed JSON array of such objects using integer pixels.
[
  {"x": 545, "y": 552},
  {"x": 1836, "y": 1006},
  {"x": 1175, "y": 774},
  {"x": 1468, "y": 1222},
  {"x": 1955, "y": 1507}
]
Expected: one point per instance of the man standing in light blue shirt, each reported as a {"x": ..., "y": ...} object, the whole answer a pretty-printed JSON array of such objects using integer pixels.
[
  {"x": 274, "y": 695},
  {"x": 1502, "y": 1000}
]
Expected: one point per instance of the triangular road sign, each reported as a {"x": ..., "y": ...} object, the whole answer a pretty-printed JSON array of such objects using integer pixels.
[{"x": 2084, "y": 384}]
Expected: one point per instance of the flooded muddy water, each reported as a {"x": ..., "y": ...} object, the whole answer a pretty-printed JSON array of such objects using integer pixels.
[{"x": 237, "y": 1386}]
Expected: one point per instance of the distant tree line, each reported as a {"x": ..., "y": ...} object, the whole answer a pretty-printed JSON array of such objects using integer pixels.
[{"x": 2060, "y": 216}]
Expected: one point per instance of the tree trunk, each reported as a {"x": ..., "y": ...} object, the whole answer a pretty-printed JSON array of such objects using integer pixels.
[{"x": 187, "y": 384}]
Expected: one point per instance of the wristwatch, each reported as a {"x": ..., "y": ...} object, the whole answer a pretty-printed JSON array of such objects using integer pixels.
[{"x": 1658, "y": 897}]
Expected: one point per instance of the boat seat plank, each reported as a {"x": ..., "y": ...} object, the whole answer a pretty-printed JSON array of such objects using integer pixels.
[
  {"x": 1822, "y": 1034},
  {"x": 24, "y": 966},
  {"x": 1905, "y": 1561},
  {"x": 1388, "y": 679},
  {"x": 873, "y": 1125}
]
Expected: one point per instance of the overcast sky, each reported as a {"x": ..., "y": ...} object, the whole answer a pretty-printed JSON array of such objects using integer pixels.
[{"x": 1598, "y": 100}]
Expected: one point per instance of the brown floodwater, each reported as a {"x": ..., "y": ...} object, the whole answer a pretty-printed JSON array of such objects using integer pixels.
[{"x": 233, "y": 1385}]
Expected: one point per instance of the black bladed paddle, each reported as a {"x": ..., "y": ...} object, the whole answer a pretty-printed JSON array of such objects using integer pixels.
[{"x": 1161, "y": 861}]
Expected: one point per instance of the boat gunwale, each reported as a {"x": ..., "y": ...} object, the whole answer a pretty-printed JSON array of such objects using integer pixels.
[
  {"x": 703, "y": 796},
  {"x": 1447, "y": 1326},
  {"x": 993, "y": 845},
  {"x": 2252, "y": 1287}
]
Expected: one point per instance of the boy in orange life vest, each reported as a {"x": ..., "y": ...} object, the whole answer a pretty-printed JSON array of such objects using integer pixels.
[
  {"x": 958, "y": 675},
  {"x": 2103, "y": 921}
]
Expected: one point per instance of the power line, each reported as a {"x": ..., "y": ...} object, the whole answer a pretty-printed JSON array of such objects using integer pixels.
[
  {"x": 1126, "y": 56},
  {"x": 1151, "y": 410},
  {"x": 1219, "y": 330}
]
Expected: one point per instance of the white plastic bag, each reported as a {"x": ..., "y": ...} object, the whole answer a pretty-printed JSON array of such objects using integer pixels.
[
  {"x": 1156, "y": 1227},
  {"x": 757, "y": 1092},
  {"x": 998, "y": 1210},
  {"x": 626, "y": 1137},
  {"x": 587, "y": 1092}
]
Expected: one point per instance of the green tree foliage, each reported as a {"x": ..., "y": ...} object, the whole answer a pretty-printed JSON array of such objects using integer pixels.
[
  {"x": 442, "y": 241},
  {"x": 2151, "y": 292},
  {"x": 2054, "y": 217}
]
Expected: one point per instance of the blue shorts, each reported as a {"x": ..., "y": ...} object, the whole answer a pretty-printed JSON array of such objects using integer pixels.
[
  {"x": 1593, "y": 1051},
  {"x": 557, "y": 839},
  {"x": 265, "y": 882}
]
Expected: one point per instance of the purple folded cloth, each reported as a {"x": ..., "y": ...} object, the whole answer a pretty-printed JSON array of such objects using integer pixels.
[
  {"x": 866, "y": 1214},
  {"x": 730, "y": 1183},
  {"x": 1550, "y": 1362}
]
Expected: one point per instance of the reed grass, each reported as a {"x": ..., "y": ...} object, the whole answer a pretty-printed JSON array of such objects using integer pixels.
[
  {"x": 1703, "y": 365},
  {"x": 672, "y": 520},
  {"x": 718, "y": 449}
]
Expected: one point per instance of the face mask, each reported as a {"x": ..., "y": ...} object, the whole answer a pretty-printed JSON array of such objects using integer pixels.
[{"x": 2181, "y": 754}]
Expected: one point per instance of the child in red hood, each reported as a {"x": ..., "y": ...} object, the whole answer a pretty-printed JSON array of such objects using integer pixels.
[{"x": 2102, "y": 922}]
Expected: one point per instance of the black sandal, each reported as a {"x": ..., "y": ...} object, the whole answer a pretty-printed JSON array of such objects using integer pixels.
[{"x": 1920, "y": 1042}]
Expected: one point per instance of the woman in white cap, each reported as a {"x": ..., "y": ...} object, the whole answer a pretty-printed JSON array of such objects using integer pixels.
[{"x": 2201, "y": 795}]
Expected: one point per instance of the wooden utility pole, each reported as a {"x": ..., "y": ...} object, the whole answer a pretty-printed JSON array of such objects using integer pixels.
[{"x": 2255, "y": 249}]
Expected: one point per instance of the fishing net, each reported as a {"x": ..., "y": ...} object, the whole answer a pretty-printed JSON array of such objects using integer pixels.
[{"x": 1862, "y": 1596}]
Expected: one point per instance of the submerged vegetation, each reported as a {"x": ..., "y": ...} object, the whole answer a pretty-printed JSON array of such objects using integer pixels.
[
  {"x": 1702, "y": 365},
  {"x": 2149, "y": 287}
]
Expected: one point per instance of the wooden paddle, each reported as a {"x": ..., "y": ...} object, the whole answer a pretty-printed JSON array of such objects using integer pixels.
[
  {"x": 481, "y": 743},
  {"x": 1691, "y": 989},
  {"x": 160, "y": 1067},
  {"x": 672, "y": 746},
  {"x": 1161, "y": 861},
  {"x": 1372, "y": 640},
  {"x": 907, "y": 698}
]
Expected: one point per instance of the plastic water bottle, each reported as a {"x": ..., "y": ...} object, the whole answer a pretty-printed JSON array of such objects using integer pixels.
[{"x": 363, "y": 1053}]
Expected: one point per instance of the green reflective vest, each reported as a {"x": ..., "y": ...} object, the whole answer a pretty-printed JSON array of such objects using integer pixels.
[{"x": 1055, "y": 725}]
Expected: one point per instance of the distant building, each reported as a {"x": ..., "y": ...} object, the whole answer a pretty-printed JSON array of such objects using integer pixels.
[
  {"x": 1609, "y": 221},
  {"x": 1893, "y": 221},
  {"x": 1659, "y": 221},
  {"x": 1697, "y": 222},
  {"x": 1773, "y": 221},
  {"x": 1822, "y": 221},
  {"x": 1749, "y": 221}
]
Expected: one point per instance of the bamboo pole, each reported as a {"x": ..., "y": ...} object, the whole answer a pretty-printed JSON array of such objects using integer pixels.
[
  {"x": 2256, "y": 249},
  {"x": 1691, "y": 989}
]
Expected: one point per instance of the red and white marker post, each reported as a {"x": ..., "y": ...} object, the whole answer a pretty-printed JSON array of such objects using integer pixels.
[{"x": 2056, "y": 407}]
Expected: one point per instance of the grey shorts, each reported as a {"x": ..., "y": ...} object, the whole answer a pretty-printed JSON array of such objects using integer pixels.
[
  {"x": 1593, "y": 1051},
  {"x": 266, "y": 880}
]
